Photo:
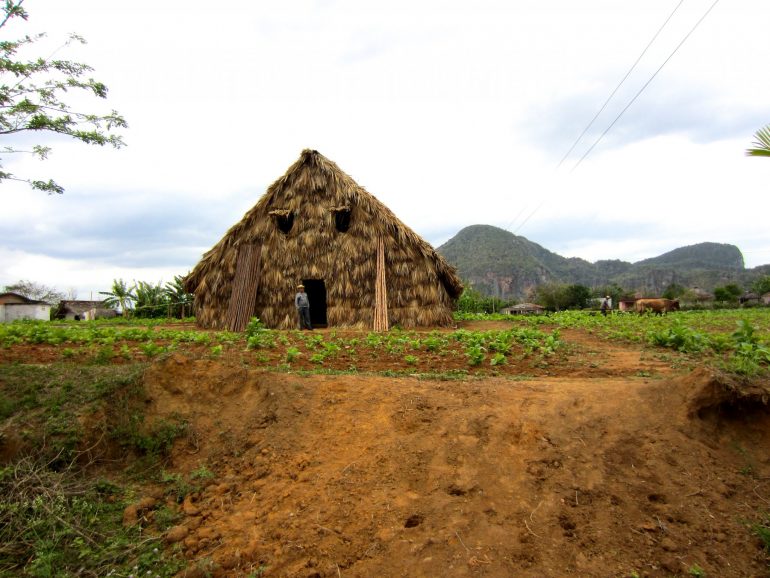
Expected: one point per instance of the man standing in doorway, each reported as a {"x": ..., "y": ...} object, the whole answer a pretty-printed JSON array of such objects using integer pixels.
[{"x": 302, "y": 303}]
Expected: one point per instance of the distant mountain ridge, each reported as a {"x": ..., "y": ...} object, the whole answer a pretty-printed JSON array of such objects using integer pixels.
[{"x": 498, "y": 263}]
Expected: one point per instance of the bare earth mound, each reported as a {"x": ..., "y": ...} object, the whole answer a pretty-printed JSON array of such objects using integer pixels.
[{"x": 353, "y": 475}]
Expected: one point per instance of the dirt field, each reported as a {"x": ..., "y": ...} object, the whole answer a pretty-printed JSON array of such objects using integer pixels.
[{"x": 610, "y": 463}]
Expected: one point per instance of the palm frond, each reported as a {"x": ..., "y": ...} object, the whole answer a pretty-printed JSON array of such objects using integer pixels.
[{"x": 762, "y": 144}]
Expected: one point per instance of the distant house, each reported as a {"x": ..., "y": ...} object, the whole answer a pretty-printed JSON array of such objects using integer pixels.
[
  {"x": 99, "y": 313},
  {"x": 14, "y": 306},
  {"x": 626, "y": 304},
  {"x": 749, "y": 298},
  {"x": 697, "y": 295},
  {"x": 82, "y": 310},
  {"x": 523, "y": 309}
]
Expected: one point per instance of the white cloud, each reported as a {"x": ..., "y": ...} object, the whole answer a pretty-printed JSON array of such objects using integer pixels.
[{"x": 450, "y": 113}]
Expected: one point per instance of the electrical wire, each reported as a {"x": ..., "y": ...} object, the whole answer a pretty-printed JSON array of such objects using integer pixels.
[
  {"x": 601, "y": 136},
  {"x": 524, "y": 222},
  {"x": 630, "y": 70}
]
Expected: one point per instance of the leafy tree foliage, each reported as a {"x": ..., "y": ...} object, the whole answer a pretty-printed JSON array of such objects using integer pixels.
[
  {"x": 179, "y": 300},
  {"x": 729, "y": 293},
  {"x": 615, "y": 291},
  {"x": 120, "y": 297},
  {"x": 145, "y": 299},
  {"x": 150, "y": 299},
  {"x": 674, "y": 291},
  {"x": 472, "y": 301},
  {"x": 577, "y": 296},
  {"x": 761, "y": 146},
  {"x": 557, "y": 297},
  {"x": 761, "y": 285},
  {"x": 32, "y": 99},
  {"x": 35, "y": 291}
]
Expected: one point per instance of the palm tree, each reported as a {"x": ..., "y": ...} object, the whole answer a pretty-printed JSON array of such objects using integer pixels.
[
  {"x": 179, "y": 300},
  {"x": 150, "y": 301},
  {"x": 121, "y": 297},
  {"x": 762, "y": 144}
]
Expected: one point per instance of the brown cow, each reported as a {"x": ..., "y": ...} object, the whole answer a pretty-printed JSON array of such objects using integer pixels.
[{"x": 659, "y": 306}]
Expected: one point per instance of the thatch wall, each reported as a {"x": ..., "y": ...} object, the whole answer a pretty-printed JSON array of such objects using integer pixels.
[{"x": 421, "y": 286}]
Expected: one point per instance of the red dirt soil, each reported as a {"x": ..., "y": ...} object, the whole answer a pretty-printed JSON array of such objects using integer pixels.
[{"x": 618, "y": 466}]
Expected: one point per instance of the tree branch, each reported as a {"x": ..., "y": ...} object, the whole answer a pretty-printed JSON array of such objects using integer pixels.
[{"x": 36, "y": 101}]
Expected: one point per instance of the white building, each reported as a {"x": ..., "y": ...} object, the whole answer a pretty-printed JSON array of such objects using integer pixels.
[{"x": 14, "y": 306}]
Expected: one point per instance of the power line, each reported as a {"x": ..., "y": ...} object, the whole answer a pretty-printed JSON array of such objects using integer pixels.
[
  {"x": 516, "y": 218},
  {"x": 630, "y": 70},
  {"x": 524, "y": 222},
  {"x": 629, "y": 104},
  {"x": 601, "y": 136}
]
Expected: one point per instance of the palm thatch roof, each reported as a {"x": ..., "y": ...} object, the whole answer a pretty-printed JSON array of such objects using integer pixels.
[{"x": 317, "y": 223}]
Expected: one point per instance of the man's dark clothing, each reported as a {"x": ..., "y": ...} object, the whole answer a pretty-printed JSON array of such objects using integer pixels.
[{"x": 302, "y": 303}]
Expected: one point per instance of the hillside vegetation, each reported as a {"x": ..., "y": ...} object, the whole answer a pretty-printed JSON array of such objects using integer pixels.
[{"x": 498, "y": 263}]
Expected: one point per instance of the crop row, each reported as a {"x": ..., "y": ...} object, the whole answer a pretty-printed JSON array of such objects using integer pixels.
[
  {"x": 108, "y": 340},
  {"x": 476, "y": 346},
  {"x": 86, "y": 333},
  {"x": 738, "y": 340}
]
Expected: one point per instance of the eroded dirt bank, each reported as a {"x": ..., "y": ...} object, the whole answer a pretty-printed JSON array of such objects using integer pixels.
[{"x": 554, "y": 476}]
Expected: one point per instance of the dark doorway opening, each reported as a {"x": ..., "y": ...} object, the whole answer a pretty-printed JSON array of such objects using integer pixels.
[{"x": 316, "y": 294}]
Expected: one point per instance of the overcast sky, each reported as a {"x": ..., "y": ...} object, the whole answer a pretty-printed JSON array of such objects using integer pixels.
[{"x": 451, "y": 113}]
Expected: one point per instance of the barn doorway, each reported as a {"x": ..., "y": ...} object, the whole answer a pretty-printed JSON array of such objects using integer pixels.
[{"x": 316, "y": 294}]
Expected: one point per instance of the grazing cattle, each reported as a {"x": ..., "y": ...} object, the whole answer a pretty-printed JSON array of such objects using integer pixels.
[{"x": 659, "y": 306}]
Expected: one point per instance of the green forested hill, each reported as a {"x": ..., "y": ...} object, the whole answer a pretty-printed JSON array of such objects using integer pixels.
[
  {"x": 499, "y": 263},
  {"x": 700, "y": 256}
]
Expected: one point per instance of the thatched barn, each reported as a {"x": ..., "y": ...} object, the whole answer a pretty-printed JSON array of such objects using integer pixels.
[{"x": 360, "y": 265}]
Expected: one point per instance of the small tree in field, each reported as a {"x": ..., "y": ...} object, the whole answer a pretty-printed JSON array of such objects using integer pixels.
[
  {"x": 728, "y": 293},
  {"x": 35, "y": 291},
  {"x": 555, "y": 296},
  {"x": 33, "y": 99},
  {"x": 761, "y": 285}
]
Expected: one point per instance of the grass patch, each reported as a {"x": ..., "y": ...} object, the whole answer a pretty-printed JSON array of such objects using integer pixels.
[
  {"x": 57, "y": 516},
  {"x": 53, "y": 397},
  {"x": 761, "y": 530},
  {"x": 62, "y": 523}
]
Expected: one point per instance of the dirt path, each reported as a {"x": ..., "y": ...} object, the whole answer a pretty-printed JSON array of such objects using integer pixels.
[{"x": 615, "y": 465}]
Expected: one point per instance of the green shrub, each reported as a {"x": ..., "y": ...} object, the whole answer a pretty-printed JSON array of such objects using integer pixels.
[
  {"x": 255, "y": 326},
  {"x": 475, "y": 354},
  {"x": 216, "y": 350},
  {"x": 58, "y": 523},
  {"x": 261, "y": 340},
  {"x": 154, "y": 441},
  {"x": 151, "y": 349},
  {"x": 749, "y": 356},
  {"x": 497, "y": 359},
  {"x": 679, "y": 338},
  {"x": 762, "y": 531},
  {"x": 292, "y": 353}
]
